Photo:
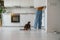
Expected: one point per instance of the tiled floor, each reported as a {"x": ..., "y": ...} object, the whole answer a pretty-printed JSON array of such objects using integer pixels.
[{"x": 13, "y": 33}]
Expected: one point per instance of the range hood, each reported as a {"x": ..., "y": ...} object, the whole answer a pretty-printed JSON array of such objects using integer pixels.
[{"x": 21, "y": 7}]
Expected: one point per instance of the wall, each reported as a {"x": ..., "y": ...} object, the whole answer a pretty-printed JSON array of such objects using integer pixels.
[{"x": 53, "y": 17}]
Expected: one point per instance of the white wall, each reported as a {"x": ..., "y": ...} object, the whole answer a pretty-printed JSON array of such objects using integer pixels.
[{"x": 53, "y": 15}]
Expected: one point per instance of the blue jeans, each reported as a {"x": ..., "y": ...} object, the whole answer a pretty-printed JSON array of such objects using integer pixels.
[{"x": 38, "y": 19}]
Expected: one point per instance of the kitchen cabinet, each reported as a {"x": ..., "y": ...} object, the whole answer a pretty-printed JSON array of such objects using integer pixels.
[{"x": 24, "y": 3}]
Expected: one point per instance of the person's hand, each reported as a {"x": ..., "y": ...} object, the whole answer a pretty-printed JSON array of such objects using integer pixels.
[{"x": 44, "y": 6}]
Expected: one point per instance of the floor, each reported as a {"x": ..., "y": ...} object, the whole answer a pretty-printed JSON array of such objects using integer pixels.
[{"x": 14, "y": 33}]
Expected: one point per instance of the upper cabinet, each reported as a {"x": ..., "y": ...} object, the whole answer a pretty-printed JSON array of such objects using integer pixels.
[
  {"x": 24, "y": 3},
  {"x": 38, "y": 3}
]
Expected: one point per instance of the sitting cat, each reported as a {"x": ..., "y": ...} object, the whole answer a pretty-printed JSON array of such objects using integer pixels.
[{"x": 27, "y": 26}]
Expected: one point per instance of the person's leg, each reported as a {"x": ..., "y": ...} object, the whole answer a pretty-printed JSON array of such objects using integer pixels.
[
  {"x": 39, "y": 23},
  {"x": 36, "y": 20},
  {"x": 40, "y": 20}
]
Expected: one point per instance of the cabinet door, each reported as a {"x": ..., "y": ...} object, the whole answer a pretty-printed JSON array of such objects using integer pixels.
[
  {"x": 11, "y": 3},
  {"x": 38, "y": 3}
]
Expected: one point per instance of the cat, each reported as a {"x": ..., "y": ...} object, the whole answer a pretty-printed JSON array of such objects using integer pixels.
[{"x": 27, "y": 26}]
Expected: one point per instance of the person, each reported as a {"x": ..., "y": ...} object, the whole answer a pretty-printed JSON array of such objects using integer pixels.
[{"x": 38, "y": 18}]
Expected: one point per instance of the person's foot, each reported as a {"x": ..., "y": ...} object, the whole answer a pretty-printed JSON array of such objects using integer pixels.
[
  {"x": 39, "y": 28},
  {"x": 35, "y": 27}
]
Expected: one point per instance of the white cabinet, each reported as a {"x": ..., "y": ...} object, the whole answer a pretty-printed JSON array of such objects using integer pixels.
[
  {"x": 38, "y": 3},
  {"x": 11, "y": 3}
]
